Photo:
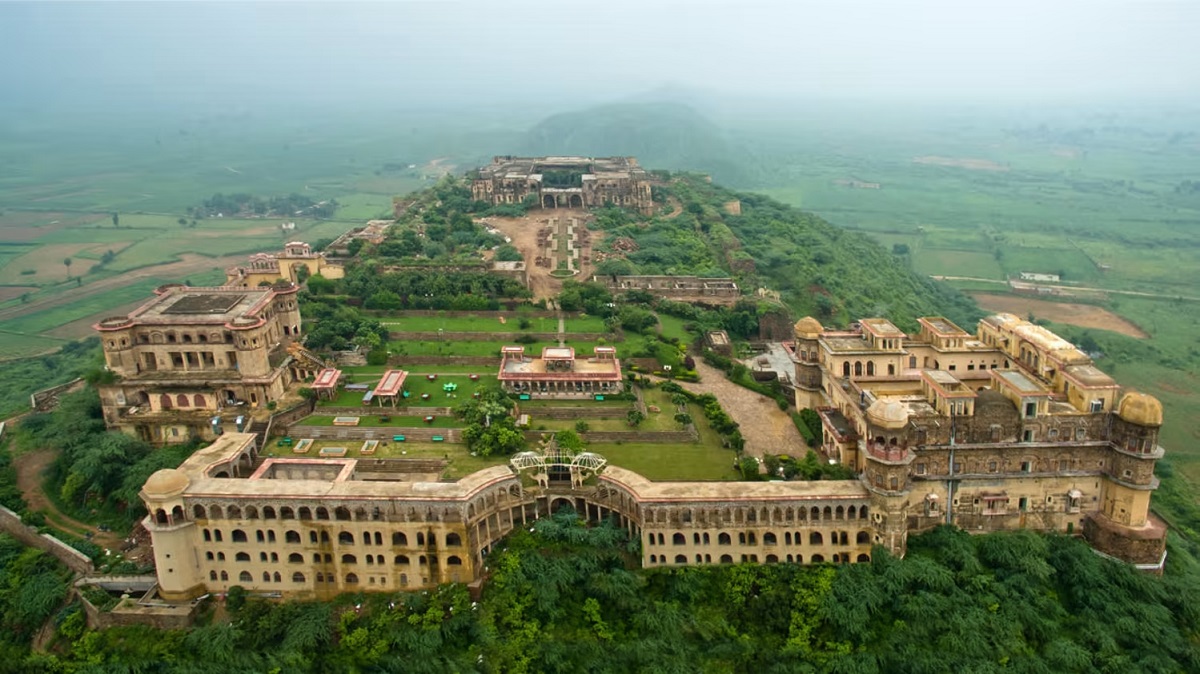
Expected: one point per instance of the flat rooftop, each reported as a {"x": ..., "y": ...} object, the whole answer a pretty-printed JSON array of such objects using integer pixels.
[
  {"x": 580, "y": 366},
  {"x": 847, "y": 344},
  {"x": 943, "y": 326},
  {"x": 881, "y": 327},
  {"x": 1018, "y": 381},
  {"x": 647, "y": 490}
]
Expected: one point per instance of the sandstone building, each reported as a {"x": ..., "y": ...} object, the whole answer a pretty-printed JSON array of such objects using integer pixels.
[
  {"x": 318, "y": 527},
  {"x": 1012, "y": 427},
  {"x": 1009, "y": 428},
  {"x": 678, "y": 288},
  {"x": 565, "y": 182},
  {"x": 194, "y": 354},
  {"x": 266, "y": 269}
]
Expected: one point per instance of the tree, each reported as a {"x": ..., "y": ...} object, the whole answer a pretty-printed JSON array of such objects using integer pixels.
[
  {"x": 116, "y": 220},
  {"x": 748, "y": 467},
  {"x": 683, "y": 419},
  {"x": 635, "y": 418},
  {"x": 67, "y": 264},
  {"x": 569, "y": 441},
  {"x": 582, "y": 426}
]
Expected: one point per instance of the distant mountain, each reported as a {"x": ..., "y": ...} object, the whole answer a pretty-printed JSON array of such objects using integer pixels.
[{"x": 660, "y": 135}]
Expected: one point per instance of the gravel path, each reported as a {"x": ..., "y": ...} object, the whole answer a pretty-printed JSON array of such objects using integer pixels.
[{"x": 765, "y": 427}]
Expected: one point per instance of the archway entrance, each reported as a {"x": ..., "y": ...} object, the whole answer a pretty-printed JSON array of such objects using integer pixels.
[
  {"x": 548, "y": 201},
  {"x": 576, "y": 201}
]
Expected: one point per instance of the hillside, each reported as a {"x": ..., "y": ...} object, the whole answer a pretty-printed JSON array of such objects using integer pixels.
[
  {"x": 660, "y": 135},
  {"x": 819, "y": 269}
]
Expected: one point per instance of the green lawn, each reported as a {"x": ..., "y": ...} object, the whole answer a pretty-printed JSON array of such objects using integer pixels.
[
  {"x": 670, "y": 462},
  {"x": 461, "y": 462},
  {"x": 488, "y": 348},
  {"x": 417, "y": 384},
  {"x": 673, "y": 327},
  {"x": 392, "y": 422}
]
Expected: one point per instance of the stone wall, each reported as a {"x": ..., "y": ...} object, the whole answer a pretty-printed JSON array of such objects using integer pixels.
[
  {"x": 487, "y": 362},
  {"x": 176, "y": 617},
  {"x": 385, "y": 411},
  {"x": 449, "y": 336},
  {"x": 664, "y": 437},
  {"x": 359, "y": 433},
  {"x": 47, "y": 399},
  {"x": 577, "y": 412},
  {"x": 10, "y": 523}
]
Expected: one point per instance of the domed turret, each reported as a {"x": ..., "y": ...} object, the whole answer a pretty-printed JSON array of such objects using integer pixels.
[
  {"x": 890, "y": 414},
  {"x": 165, "y": 483},
  {"x": 1140, "y": 409},
  {"x": 807, "y": 328}
]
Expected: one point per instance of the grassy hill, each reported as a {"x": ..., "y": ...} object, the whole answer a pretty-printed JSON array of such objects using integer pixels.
[{"x": 819, "y": 269}]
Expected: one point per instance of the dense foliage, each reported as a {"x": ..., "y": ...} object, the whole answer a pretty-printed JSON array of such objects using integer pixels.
[
  {"x": 817, "y": 268},
  {"x": 27, "y": 375},
  {"x": 241, "y": 204},
  {"x": 97, "y": 473},
  {"x": 332, "y": 324},
  {"x": 429, "y": 289},
  {"x": 564, "y": 597},
  {"x": 32, "y": 588}
]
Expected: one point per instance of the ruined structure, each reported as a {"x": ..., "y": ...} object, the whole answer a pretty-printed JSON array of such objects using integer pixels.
[
  {"x": 194, "y": 355},
  {"x": 1012, "y": 427},
  {"x": 565, "y": 182},
  {"x": 679, "y": 288},
  {"x": 267, "y": 269}
]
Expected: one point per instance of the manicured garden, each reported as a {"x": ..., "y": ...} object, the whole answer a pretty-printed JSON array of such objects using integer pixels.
[{"x": 438, "y": 421}]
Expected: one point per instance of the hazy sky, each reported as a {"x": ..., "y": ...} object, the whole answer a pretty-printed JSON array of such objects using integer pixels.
[{"x": 101, "y": 55}]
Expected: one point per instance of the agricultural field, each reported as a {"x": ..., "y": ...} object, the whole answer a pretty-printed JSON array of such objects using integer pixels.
[{"x": 59, "y": 204}]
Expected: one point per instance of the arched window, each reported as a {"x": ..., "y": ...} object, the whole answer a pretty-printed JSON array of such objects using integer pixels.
[
  {"x": 199, "y": 400},
  {"x": 277, "y": 578},
  {"x": 345, "y": 538},
  {"x": 680, "y": 559},
  {"x": 772, "y": 559},
  {"x": 207, "y": 536},
  {"x": 234, "y": 513},
  {"x": 787, "y": 538},
  {"x": 366, "y": 538},
  {"x": 245, "y": 577},
  {"x": 220, "y": 556},
  {"x": 297, "y": 577},
  {"x": 212, "y": 575},
  {"x": 401, "y": 559},
  {"x": 217, "y": 535},
  {"x": 378, "y": 538},
  {"x": 846, "y": 369},
  {"x": 678, "y": 539},
  {"x": 292, "y": 537},
  {"x": 164, "y": 401},
  {"x": 858, "y": 368},
  {"x": 351, "y": 579},
  {"x": 295, "y": 558},
  {"x": 870, "y": 368},
  {"x": 769, "y": 538},
  {"x": 198, "y": 512},
  {"x": 850, "y": 512},
  {"x": 242, "y": 557},
  {"x": 341, "y": 513},
  {"x": 251, "y": 513},
  {"x": 305, "y": 513},
  {"x": 726, "y": 559},
  {"x": 399, "y": 538},
  {"x": 266, "y": 577},
  {"x": 815, "y": 513},
  {"x": 322, "y": 513},
  {"x": 268, "y": 513},
  {"x": 259, "y": 536},
  {"x": 421, "y": 539},
  {"x": 286, "y": 513},
  {"x": 453, "y": 540},
  {"x": 225, "y": 576},
  {"x": 208, "y": 556},
  {"x": 815, "y": 538},
  {"x": 274, "y": 557},
  {"x": 454, "y": 560},
  {"x": 349, "y": 559},
  {"x": 238, "y": 536},
  {"x": 816, "y": 559},
  {"x": 181, "y": 400},
  {"x": 370, "y": 560},
  {"x": 862, "y": 537},
  {"x": 863, "y": 558},
  {"x": 840, "y": 513},
  {"x": 724, "y": 539},
  {"x": 891, "y": 368},
  {"x": 270, "y": 536}
]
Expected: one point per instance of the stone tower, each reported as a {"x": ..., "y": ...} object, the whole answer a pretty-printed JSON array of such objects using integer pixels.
[
  {"x": 887, "y": 459},
  {"x": 807, "y": 331}
]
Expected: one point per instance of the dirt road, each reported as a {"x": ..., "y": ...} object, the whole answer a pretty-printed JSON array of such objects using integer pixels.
[
  {"x": 30, "y": 468},
  {"x": 765, "y": 427}
]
